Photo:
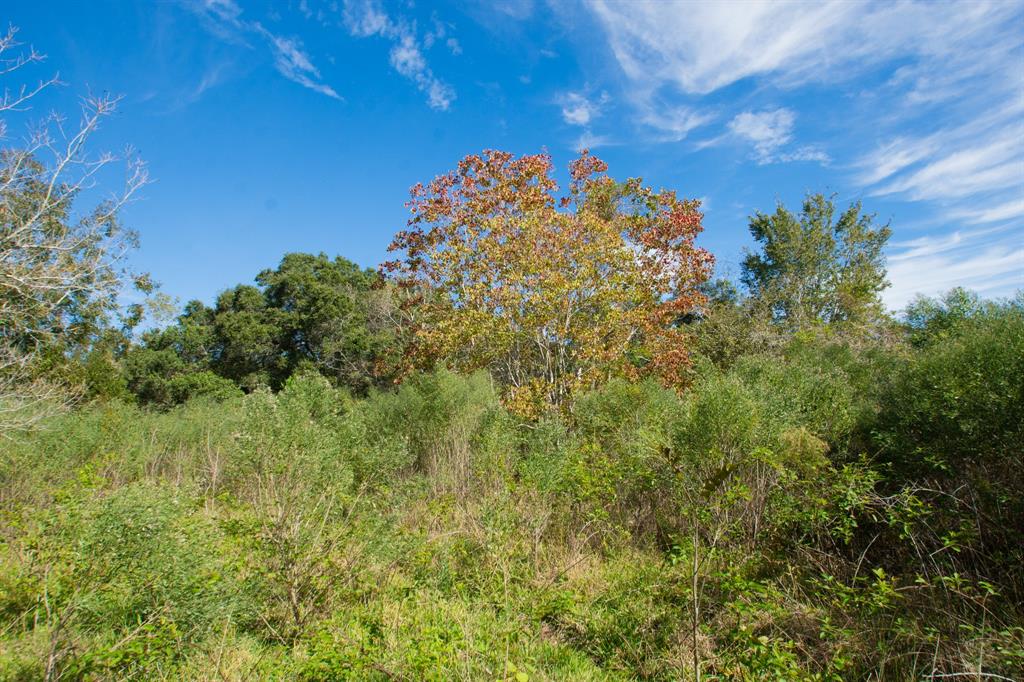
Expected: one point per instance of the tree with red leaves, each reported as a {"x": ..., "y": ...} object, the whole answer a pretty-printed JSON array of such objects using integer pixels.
[{"x": 552, "y": 296}]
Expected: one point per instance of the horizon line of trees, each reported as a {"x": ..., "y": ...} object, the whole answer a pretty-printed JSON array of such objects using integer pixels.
[
  {"x": 820, "y": 269},
  {"x": 552, "y": 294},
  {"x": 365, "y": 329}
]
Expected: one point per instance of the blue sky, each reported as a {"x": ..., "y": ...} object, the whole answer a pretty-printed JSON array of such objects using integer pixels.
[{"x": 300, "y": 125}]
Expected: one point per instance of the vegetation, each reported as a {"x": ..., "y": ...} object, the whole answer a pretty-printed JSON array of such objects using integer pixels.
[
  {"x": 578, "y": 461},
  {"x": 829, "y": 513},
  {"x": 818, "y": 268},
  {"x": 61, "y": 264},
  {"x": 310, "y": 313},
  {"x": 501, "y": 276}
]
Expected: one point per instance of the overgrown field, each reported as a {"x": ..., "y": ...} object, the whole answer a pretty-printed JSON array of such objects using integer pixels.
[{"x": 824, "y": 511}]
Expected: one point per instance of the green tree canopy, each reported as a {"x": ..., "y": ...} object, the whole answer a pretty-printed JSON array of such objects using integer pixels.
[
  {"x": 311, "y": 311},
  {"x": 328, "y": 313},
  {"x": 822, "y": 266}
]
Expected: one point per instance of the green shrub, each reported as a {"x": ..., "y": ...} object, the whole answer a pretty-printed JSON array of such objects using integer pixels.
[
  {"x": 952, "y": 423},
  {"x": 125, "y": 581},
  {"x": 428, "y": 423},
  {"x": 149, "y": 555}
]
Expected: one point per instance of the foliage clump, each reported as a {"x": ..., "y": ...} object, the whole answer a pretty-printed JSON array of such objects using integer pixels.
[{"x": 551, "y": 295}]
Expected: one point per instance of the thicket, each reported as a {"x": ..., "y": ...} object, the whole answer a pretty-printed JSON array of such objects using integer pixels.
[
  {"x": 310, "y": 313},
  {"x": 833, "y": 510}
]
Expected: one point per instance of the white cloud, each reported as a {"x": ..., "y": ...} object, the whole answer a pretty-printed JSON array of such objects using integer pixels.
[
  {"x": 944, "y": 125},
  {"x": 407, "y": 58},
  {"x": 974, "y": 171},
  {"x": 701, "y": 47},
  {"x": 922, "y": 247},
  {"x": 896, "y": 155},
  {"x": 224, "y": 10},
  {"x": 518, "y": 10},
  {"x": 212, "y": 77},
  {"x": 806, "y": 153},
  {"x": 955, "y": 67},
  {"x": 294, "y": 64},
  {"x": 1013, "y": 209},
  {"x": 997, "y": 270},
  {"x": 578, "y": 110},
  {"x": 961, "y": 171},
  {"x": 989, "y": 261},
  {"x": 766, "y": 130},
  {"x": 366, "y": 18},
  {"x": 769, "y": 132},
  {"x": 588, "y": 140},
  {"x": 224, "y": 18},
  {"x": 675, "y": 123}
]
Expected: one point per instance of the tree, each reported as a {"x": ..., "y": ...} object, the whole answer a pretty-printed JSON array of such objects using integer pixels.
[
  {"x": 168, "y": 363},
  {"x": 549, "y": 295},
  {"x": 930, "y": 319},
  {"x": 329, "y": 316},
  {"x": 731, "y": 326},
  {"x": 247, "y": 338},
  {"x": 310, "y": 312},
  {"x": 817, "y": 267},
  {"x": 61, "y": 265}
]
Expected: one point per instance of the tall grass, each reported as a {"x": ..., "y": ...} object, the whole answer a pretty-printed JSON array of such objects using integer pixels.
[{"x": 829, "y": 513}]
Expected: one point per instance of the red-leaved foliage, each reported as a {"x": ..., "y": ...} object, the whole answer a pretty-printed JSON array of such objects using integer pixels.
[{"x": 550, "y": 294}]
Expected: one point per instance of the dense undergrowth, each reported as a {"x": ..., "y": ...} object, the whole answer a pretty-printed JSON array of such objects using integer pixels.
[{"x": 829, "y": 510}]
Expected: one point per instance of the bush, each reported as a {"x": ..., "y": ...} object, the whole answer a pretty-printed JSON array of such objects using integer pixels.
[
  {"x": 125, "y": 581},
  {"x": 953, "y": 424},
  {"x": 428, "y": 424},
  {"x": 160, "y": 377},
  {"x": 295, "y": 436}
]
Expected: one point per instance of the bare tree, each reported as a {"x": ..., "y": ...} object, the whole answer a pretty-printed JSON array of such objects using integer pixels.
[{"x": 61, "y": 267}]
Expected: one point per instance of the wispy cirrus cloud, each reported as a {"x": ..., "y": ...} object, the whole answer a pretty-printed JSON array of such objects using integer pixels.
[
  {"x": 224, "y": 18},
  {"x": 973, "y": 170},
  {"x": 294, "y": 64},
  {"x": 992, "y": 214},
  {"x": 936, "y": 49},
  {"x": 590, "y": 140},
  {"x": 984, "y": 261},
  {"x": 954, "y": 173},
  {"x": 362, "y": 19},
  {"x": 980, "y": 155},
  {"x": 368, "y": 18},
  {"x": 701, "y": 47},
  {"x": 933, "y": 93},
  {"x": 673, "y": 123}
]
